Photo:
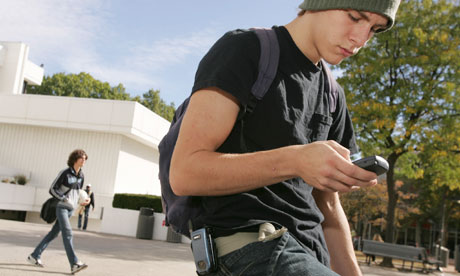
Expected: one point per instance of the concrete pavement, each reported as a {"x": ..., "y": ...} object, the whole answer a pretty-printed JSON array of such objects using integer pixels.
[
  {"x": 108, "y": 255},
  {"x": 104, "y": 254}
]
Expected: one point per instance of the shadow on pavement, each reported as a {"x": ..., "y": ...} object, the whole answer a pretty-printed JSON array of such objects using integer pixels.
[
  {"x": 104, "y": 245},
  {"x": 32, "y": 269}
]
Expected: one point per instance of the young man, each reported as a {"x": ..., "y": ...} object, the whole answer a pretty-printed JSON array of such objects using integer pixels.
[
  {"x": 285, "y": 163},
  {"x": 85, "y": 209},
  {"x": 65, "y": 188}
]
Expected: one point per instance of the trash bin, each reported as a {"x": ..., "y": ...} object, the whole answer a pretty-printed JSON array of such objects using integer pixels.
[
  {"x": 145, "y": 224},
  {"x": 172, "y": 236},
  {"x": 444, "y": 256}
]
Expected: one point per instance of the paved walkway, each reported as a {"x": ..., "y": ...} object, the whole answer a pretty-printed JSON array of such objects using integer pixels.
[{"x": 107, "y": 255}]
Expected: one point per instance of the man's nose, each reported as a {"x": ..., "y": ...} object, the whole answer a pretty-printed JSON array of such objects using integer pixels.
[{"x": 360, "y": 36}]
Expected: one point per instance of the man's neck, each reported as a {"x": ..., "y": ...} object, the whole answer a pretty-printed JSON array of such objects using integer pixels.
[
  {"x": 77, "y": 169},
  {"x": 299, "y": 29}
]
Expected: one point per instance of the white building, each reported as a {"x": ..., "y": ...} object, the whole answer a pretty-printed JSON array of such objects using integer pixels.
[{"x": 37, "y": 134}]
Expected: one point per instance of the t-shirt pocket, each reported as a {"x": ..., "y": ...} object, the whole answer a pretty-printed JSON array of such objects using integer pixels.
[{"x": 319, "y": 126}]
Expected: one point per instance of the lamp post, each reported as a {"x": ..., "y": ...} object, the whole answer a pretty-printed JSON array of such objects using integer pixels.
[
  {"x": 443, "y": 219},
  {"x": 443, "y": 227}
]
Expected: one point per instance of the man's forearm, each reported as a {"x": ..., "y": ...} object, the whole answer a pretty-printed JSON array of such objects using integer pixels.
[
  {"x": 337, "y": 234},
  {"x": 213, "y": 173}
]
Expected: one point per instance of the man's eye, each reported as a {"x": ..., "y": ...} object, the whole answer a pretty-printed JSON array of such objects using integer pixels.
[
  {"x": 353, "y": 18},
  {"x": 376, "y": 29}
]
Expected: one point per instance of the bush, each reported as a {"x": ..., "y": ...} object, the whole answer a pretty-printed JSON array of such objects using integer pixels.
[
  {"x": 9, "y": 180},
  {"x": 21, "y": 179},
  {"x": 136, "y": 202}
]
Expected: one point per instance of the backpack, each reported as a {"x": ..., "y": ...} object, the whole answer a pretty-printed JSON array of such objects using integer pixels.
[
  {"x": 48, "y": 211},
  {"x": 180, "y": 211}
]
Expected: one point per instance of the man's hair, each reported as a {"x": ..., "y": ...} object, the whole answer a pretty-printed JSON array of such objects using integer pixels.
[{"x": 75, "y": 155}]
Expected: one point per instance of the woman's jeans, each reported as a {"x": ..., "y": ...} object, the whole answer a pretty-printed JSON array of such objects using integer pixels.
[
  {"x": 279, "y": 257},
  {"x": 62, "y": 224}
]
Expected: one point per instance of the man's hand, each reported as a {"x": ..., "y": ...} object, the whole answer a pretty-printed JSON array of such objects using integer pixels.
[
  {"x": 86, "y": 202},
  {"x": 326, "y": 165}
]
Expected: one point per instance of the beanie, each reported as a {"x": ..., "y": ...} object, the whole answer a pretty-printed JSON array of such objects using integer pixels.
[{"x": 386, "y": 8}]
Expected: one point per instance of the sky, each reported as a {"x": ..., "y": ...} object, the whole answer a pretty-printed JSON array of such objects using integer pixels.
[{"x": 139, "y": 43}]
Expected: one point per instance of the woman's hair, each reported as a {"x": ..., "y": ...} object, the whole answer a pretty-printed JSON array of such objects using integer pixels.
[{"x": 73, "y": 157}]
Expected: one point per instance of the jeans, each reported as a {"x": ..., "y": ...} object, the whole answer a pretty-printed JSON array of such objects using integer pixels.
[
  {"x": 280, "y": 257},
  {"x": 85, "y": 221},
  {"x": 62, "y": 224}
]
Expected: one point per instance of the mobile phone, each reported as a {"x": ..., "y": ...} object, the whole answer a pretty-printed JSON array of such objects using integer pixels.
[
  {"x": 373, "y": 163},
  {"x": 204, "y": 251}
]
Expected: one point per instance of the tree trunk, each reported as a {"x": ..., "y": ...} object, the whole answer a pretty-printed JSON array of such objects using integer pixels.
[
  {"x": 392, "y": 200},
  {"x": 365, "y": 224},
  {"x": 418, "y": 234},
  {"x": 359, "y": 229}
]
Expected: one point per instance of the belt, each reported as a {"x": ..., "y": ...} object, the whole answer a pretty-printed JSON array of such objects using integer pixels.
[{"x": 228, "y": 244}]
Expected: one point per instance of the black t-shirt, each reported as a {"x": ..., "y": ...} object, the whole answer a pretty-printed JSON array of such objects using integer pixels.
[{"x": 294, "y": 111}]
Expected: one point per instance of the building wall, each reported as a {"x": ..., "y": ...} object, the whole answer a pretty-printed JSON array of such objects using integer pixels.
[
  {"x": 43, "y": 151},
  {"x": 137, "y": 170},
  {"x": 12, "y": 67},
  {"x": 124, "y": 222},
  {"x": 127, "y": 118},
  {"x": 116, "y": 164},
  {"x": 15, "y": 68}
]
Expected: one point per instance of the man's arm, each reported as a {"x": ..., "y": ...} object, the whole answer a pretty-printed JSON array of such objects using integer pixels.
[
  {"x": 54, "y": 189},
  {"x": 197, "y": 169},
  {"x": 337, "y": 234},
  {"x": 86, "y": 202}
]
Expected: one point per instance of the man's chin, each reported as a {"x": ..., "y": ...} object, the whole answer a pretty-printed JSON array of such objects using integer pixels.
[{"x": 334, "y": 61}]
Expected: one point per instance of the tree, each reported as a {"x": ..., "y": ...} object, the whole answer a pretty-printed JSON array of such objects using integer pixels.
[
  {"x": 85, "y": 86},
  {"x": 367, "y": 206},
  {"x": 404, "y": 86},
  {"x": 152, "y": 101},
  {"x": 78, "y": 85},
  {"x": 440, "y": 163},
  {"x": 364, "y": 206}
]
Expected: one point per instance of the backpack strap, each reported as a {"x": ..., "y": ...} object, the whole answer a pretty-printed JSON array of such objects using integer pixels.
[
  {"x": 268, "y": 65},
  {"x": 332, "y": 86}
]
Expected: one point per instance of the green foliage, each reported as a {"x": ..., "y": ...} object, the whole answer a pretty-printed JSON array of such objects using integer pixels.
[
  {"x": 21, "y": 179},
  {"x": 441, "y": 159},
  {"x": 136, "y": 202},
  {"x": 78, "y": 85},
  {"x": 404, "y": 96},
  {"x": 152, "y": 101},
  {"x": 85, "y": 86},
  {"x": 406, "y": 80},
  {"x": 365, "y": 205}
]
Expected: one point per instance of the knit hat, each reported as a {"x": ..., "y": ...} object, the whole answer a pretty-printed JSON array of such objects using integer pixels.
[{"x": 387, "y": 8}]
